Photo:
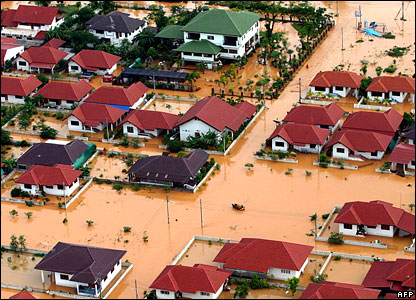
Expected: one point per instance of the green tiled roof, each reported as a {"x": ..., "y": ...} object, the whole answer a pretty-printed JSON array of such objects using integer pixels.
[
  {"x": 221, "y": 21},
  {"x": 202, "y": 46},
  {"x": 171, "y": 32}
]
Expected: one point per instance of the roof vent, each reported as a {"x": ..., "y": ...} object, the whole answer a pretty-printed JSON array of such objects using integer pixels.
[
  {"x": 147, "y": 174},
  {"x": 157, "y": 175}
]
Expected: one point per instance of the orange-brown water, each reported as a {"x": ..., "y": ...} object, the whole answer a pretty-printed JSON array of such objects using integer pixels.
[{"x": 278, "y": 206}]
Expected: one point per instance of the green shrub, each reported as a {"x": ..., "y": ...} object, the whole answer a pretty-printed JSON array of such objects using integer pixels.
[
  {"x": 325, "y": 216},
  {"x": 336, "y": 238},
  {"x": 15, "y": 192},
  {"x": 127, "y": 229},
  {"x": 337, "y": 257},
  {"x": 390, "y": 69},
  {"x": 117, "y": 186}
]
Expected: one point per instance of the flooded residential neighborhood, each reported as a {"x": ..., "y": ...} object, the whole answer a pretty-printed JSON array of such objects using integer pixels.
[{"x": 208, "y": 149}]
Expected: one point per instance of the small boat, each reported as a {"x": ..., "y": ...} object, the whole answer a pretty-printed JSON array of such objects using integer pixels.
[{"x": 238, "y": 206}]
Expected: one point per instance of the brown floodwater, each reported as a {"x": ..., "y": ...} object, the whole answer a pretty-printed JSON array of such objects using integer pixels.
[{"x": 278, "y": 206}]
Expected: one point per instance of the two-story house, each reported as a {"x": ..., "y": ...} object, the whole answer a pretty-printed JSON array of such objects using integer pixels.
[
  {"x": 115, "y": 26},
  {"x": 219, "y": 34},
  {"x": 27, "y": 21}
]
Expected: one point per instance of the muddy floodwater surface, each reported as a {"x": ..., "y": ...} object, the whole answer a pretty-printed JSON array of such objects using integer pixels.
[{"x": 278, "y": 206}]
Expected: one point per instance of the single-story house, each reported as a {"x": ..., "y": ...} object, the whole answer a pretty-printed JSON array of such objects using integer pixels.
[
  {"x": 212, "y": 114},
  {"x": 197, "y": 282},
  {"x": 9, "y": 49},
  {"x": 337, "y": 290},
  {"x": 391, "y": 276},
  {"x": 327, "y": 117},
  {"x": 14, "y": 90},
  {"x": 355, "y": 144},
  {"x": 22, "y": 295},
  {"x": 98, "y": 62},
  {"x": 139, "y": 122},
  {"x": 403, "y": 156},
  {"x": 382, "y": 122},
  {"x": 246, "y": 108},
  {"x": 250, "y": 256},
  {"x": 301, "y": 137},
  {"x": 168, "y": 170},
  {"x": 59, "y": 180},
  {"x": 39, "y": 59},
  {"x": 65, "y": 94},
  {"x": 409, "y": 134},
  {"x": 376, "y": 218},
  {"x": 52, "y": 152},
  {"x": 129, "y": 98},
  {"x": 395, "y": 88},
  {"x": 115, "y": 26},
  {"x": 87, "y": 269},
  {"x": 200, "y": 51},
  {"x": 336, "y": 82},
  {"x": 93, "y": 117}
]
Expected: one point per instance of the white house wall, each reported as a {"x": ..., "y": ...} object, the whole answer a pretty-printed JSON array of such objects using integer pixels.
[
  {"x": 81, "y": 127},
  {"x": 14, "y": 99},
  {"x": 376, "y": 231},
  {"x": 192, "y": 126},
  {"x": 368, "y": 155},
  {"x": 74, "y": 64},
  {"x": 111, "y": 275},
  {"x": 26, "y": 67},
  {"x": 12, "y": 53},
  {"x": 63, "y": 282},
  {"x": 283, "y": 148},
  {"x": 343, "y": 93},
  {"x": 80, "y": 70},
  {"x": 139, "y": 101},
  {"x": 277, "y": 274},
  {"x": 336, "y": 154},
  {"x": 197, "y": 295},
  {"x": 112, "y": 35},
  {"x": 53, "y": 191}
]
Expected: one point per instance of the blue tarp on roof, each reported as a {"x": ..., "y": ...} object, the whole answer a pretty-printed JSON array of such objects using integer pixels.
[{"x": 123, "y": 107}]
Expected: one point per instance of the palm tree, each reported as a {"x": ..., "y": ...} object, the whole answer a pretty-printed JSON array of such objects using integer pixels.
[{"x": 290, "y": 52}]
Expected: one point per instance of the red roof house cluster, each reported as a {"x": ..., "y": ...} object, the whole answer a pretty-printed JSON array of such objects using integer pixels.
[
  {"x": 385, "y": 84},
  {"x": 259, "y": 255},
  {"x": 49, "y": 176},
  {"x": 118, "y": 96},
  {"x": 92, "y": 114},
  {"x": 40, "y": 15},
  {"x": 184, "y": 279},
  {"x": 374, "y": 213},
  {"x": 65, "y": 90},
  {"x": 217, "y": 113},
  {"x": 391, "y": 276},
  {"x": 43, "y": 57},
  {"x": 386, "y": 123},
  {"x": 337, "y": 78},
  {"x": 95, "y": 60},
  {"x": 18, "y": 86},
  {"x": 151, "y": 120},
  {"x": 315, "y": 115},
  {"x": 301, "y": 134},
  {"x": 337, "y": 290},
  {"x": 361, "y": 140}
]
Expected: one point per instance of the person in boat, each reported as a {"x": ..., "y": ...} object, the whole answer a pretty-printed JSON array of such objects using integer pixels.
[{"x": 238, "y": 207}]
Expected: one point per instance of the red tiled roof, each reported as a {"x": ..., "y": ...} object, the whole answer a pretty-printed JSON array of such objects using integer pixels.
[
  {"x": 301, "y": 134},
  {"x": 43, "y": 56},
  {"x": 22, "y": 295},
  {"x": 315, "y": 115},
  {"x": 151, "y": 120},
  {"x": 94, "y": 59},
  {"x": 55, "y": 43},
  {"x": 45, "y": 175},
  {"x": 118, "y": 96},
  {"x": 384, "y": 274},
  {"x": 92, "y": 114},
  {"x": 361, "y": 140},
  {"x": 7, "y": 17},
  {"x": 40, "y": 35},
  {"x": 385, "y": 84},
  {"x": 216, "y": 113},
  {"x": 65, "y": 90},
  {"x": 19, "y": 86},
  {"x": 259, "y": 255},
  {"x": 8, "y": 40},
  {"x": 7, "y": 43},
  {"x": 337, "y": 290},
  {"x": 35, "y": 14},
  {"x": 199, "y": 278},
  {"x": 337, "y": 78},
  {"x": 357, "y": 212},
  {"x": 386, "y": 122},
  {"x": 403, "y": 154},
  {"x": 247, "y": 108}
]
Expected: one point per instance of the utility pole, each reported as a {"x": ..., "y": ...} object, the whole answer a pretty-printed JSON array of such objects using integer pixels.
[
  {"x": 135, "y": 286},
  {"x": 106, "y": 122},
  {"x": 200, "y": 205},
  {"x": 360, "y": 12},
  {"x": 342, "y": 39},
  {"x": 402, "y": 10},
  {"x": 167, "y": 206},
  {"x": 337, "y": 7},
  {"x": 316, "y": 232},
  {"x": 300, "y": 90}
]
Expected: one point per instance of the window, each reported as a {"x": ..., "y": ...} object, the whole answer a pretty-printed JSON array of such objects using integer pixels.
[
  {"x": 22, "y": 63},
  {"x": 48, "y": 187},
  {"x": 385, "y": 227},
  {"x": 28, "y": 186},
  {"x": 339, "y": 88},
  {"x": 395, "y": 94},
  {"x": 60, "y": 187},
  {"x": 74, "y": 123},
  {"x": 320, "y": 88},
  {"x": 279, "y": 144},
  {"x": 205, "y": 294},
  {"x": 230, "y": 40},
  {"x": 112, "y": 270},
  {"x": 211, "y": 37},
  {"x": 371, "y": 227},
  {"x": 18, "y": 97},
  {"x": 224, "y": 51},
  {"x": 340, "y": 150},
  {"x": 187, "y": 53},
  {"x": 64, "y": 276},
  {"x": 412, "y": 162},
  {"x": 74, "y": 68},
  {"x": 197, "y": 54},
  {"x": 165, "y": 292},
  {"x": 232, "y": 51},
  {"x": 105, "y": 278},
  {"x": 376, "y": 94},
  {"x": 284, "y": 271},
  {"x": 312, "y": 146},
  {"x": 130, "y": 129},
  {"x": 207, "y": 55},
  {"x": 374, "y": 153},
  {"x": 193, "y": 36},
  {"x": 347, "y": 226}
]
